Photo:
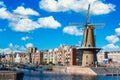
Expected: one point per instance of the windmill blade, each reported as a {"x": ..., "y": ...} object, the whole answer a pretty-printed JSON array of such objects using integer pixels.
[
  {"x": 76, "y": 24},
  {"x": 86, "y": 22},
  {"x": 82, "y": 39},
  {"x": 94, "y": 25},
  {"x": 87, "y": 16}
]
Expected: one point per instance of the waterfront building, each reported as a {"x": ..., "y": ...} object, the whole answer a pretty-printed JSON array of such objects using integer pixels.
[
  {"x": 115, "y": 56},
  {"x": 101, "y": 56},
  {"x": 9, "y": 58},
  {"x": 52, "y": 56},
  {"x": 45, "y": 56},
  {"x": 3, "y": 60},
  {"x": 30, "y": 52},
  {"x": 64, "y": 55},
  {"x": 59, "y": 56},
  {"x": 49, "y": 56},
  {"x": 35, "y": 56},
  {"x": 23, "y": 58},
  {"x": 38, "y": 58},
  {"x": 17, "y": 58},
  {"x": 20, "y": 58},
  {"x": 67, "y": 55}
]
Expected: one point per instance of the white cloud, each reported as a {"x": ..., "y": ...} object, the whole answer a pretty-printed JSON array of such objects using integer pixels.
[
  {"x": 22, "y": 48},
  {"x": 25, "y": 11},
  {"x": 98, "y": 7},
  {"x": 29, "y": 45},
  {"x": 112, "y": 39},
  {"x": 5, "y": 14},
  {"x": 111, "y": 46},
  {"x": 20, "y": 20},
  {"x": 6, "y": 51},
  {"x": 16, "y": 47},
  {"x": 25, "y": 38},
  {"x": 26, "y": 25},
  {"x": 72, "y": 30},
  {"x": 12, "y": 49},
  {"x": 49, "y": 22},
  {"x": 101, "y": 8},
  {"x": 117, "y": 30}
]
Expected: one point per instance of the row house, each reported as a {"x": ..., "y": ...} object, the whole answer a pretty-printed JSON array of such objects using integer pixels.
[
  {"x": 101, "y": 56},
  {"x": 45, "y": 56},
  {"x": 112, "y": 56},
  {"x": 21, "y": 58},
  {"x": 32, "y": 56},
  {"x": 9, "y": 58},
  {"x": 52, "y": 56},
  {"x": 67, "y": 55},
  {"x": 31, "y": 52},
  {"x": 64, "y": 55},
  {"x": 35, "y": 56},
  {"x": 115, "y": 56},
  {"x": 14, "y": 58}
]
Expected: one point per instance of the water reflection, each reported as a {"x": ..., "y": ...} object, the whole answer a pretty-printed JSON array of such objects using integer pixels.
[
  {"x": 79, "y": 77},
  {"x": 29, "y": 75}
]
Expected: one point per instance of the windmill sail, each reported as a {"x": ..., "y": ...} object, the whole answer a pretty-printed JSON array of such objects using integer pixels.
[
  {"x": 85, "y": 34},
  {"x": 87, "y": 16},
  {"x": 87, "y": 25}
]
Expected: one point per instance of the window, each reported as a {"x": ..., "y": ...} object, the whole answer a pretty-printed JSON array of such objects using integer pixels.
[
  {"x": 87, "y": 59},
  {"x": 89, "y": 45}
]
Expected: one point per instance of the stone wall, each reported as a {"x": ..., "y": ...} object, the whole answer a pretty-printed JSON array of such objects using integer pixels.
[
  {"x": 11, "y": 75},
  {"x": 73, "y": 70}
]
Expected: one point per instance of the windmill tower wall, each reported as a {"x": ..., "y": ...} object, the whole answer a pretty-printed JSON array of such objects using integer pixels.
[
  {"x": 89, "y": 39},
  {"x": 89, "y": 56}
]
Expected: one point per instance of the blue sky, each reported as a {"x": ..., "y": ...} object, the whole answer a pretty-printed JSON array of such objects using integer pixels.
[{"x": 45, "y": 23}]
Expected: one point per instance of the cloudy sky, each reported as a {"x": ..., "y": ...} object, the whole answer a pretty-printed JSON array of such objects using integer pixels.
[{"x": 45, "y": 23}]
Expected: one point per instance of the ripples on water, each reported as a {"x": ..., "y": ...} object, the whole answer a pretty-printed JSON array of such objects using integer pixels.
[{"x": 29, "y": 75}]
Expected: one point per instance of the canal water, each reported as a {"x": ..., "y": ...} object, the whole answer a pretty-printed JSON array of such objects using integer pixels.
[{"x": 32, "y": 75}]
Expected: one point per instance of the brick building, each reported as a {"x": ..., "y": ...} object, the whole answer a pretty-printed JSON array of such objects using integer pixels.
[
  {"x": 67, "y": 55},
  {"x": 64, "y": 55},
  {"x": 35, "y": 56}
]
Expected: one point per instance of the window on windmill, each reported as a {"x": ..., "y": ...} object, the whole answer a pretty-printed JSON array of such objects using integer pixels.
[
  {"x": 89, "y": 45},
  {"x": 87, "y": 59}
]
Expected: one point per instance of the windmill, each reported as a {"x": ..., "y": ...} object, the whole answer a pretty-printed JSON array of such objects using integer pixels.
[
  {"x": 87, "y": 26},
  {"x": 89, "y": 49}
]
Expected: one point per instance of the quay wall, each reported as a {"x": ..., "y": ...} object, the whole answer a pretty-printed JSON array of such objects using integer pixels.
[
  {"x": 74, "y": 70},
  {"x": 104, "y": 71},
  {"x": 11, "y": 75}
]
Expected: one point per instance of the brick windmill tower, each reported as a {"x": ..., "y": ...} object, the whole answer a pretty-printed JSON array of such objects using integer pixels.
[{"x": 88, "y": 45}]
